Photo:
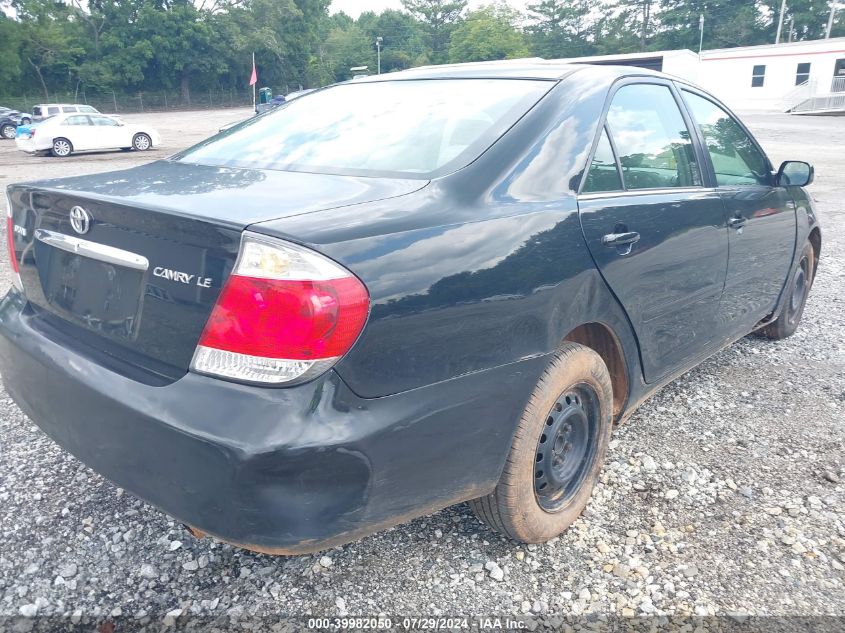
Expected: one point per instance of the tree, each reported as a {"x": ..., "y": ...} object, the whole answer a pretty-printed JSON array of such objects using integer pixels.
[
  {"x": 439, "y": 18},
  {"x": 726, "y": 22},
  {"x": 346, "y": 48},
  {"x": 561, "y": 28},
  {"x": 403, "y": 39},
  {"x": 486, "y": 34},
  {"x": 48, "y": 44},
  {"x": 807, "y": 19}
]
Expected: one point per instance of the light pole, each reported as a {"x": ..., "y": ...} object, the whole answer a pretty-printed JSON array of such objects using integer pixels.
[
  {"x": 833, "y": 7},
  {"x": 780, "y": 21},
  {"x": 379, "y": 40}
]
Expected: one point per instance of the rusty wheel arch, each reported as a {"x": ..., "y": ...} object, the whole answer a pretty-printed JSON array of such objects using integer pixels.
[{"x": 603, "y": 340}]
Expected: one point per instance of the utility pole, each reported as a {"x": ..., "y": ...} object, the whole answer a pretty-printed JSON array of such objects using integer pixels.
[
  {"x": 700, "y": 35},
  {"x": 379, "y": 40},
  {"x": 780, "y": 21},
  {"x": 833, "y": 6}
]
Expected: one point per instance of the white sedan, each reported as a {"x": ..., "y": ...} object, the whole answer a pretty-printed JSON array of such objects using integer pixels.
[{"x": 67, "y": 133}]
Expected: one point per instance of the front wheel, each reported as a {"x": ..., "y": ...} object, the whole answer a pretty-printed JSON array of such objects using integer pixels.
[
  {"x": 62, "y": 147},
  {"x": 797, "y": 291},
  {"x": 557, "y": 451},
  {"x": 8, "y": 131},
  {"x": 142, "y": 142}
]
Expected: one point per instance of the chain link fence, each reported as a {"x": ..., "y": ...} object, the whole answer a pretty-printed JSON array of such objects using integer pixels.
[{"x": 117, "y": 103}]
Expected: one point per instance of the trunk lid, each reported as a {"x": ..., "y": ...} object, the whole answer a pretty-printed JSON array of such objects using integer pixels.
[{"x": 137, "y": 282}]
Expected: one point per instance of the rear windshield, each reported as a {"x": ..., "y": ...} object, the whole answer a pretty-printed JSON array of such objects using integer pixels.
[{"x": 418, "y": 128}]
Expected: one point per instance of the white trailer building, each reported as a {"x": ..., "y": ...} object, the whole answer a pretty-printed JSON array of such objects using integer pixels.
[{"x": 802, "y": 77}]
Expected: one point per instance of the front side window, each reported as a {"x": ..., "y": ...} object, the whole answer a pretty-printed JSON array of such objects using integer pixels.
[
  {"x": 603, "y": 175},
  {"x": 654, "y": 145},
  {"x": 736, "y": 159},
  {"x": 104, "y": 121},
  {"x": 415, "y": 128},
  {"x": 802, "y": 73},
  {"x": 758, "y": 76}
]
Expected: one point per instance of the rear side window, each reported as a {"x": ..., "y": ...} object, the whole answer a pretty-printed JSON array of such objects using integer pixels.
[
  {"x": 652, "y": 140},
  {"x": 53, "y": 110},
  {"x": 88, "y": 109},
  {"x": 603, "y": 175},
  {"x": 69, "y": 109},
  {"x": 76, "y": 120},
  {"x": 416, "y": 128},
  {"x": 736, "y": 159}
]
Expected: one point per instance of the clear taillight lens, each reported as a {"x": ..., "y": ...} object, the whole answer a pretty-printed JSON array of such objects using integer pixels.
[{"x": 285, "y": 315}]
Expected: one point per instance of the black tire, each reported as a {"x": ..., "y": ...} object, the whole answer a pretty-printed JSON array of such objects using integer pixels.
[
  {"x": 61, "y": 147},
  {"x": 796, "y": 298},
  {"x": 529, "y": 504},
  {"x": 8, "y": 131},
  {"x": 142, "y": 142}
]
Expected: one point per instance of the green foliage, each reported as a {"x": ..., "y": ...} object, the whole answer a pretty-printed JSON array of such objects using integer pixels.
[
  {"x": 486, "y": 34},
  {"x": 137, "y": 46},
  {"x": 438, "y": 18}
]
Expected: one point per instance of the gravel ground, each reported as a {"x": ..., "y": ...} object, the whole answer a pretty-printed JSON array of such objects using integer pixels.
[{"x": 723, "y": 494}]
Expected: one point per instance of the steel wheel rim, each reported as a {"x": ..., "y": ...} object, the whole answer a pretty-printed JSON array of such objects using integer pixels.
[
  {"x": 799, "y": 289},
  {"x": 62, "y": 148},
  {"x": 142, "y": 142},
  {"x": 567, "y": 447}
]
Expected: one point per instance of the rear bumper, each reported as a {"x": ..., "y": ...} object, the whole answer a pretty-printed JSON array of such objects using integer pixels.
[
  {"x": 29, "y": 146},
  {"x": 285, "y": 471}
]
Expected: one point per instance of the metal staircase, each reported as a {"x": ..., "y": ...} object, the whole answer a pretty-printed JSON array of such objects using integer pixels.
[{"x": 806, "y": 98}]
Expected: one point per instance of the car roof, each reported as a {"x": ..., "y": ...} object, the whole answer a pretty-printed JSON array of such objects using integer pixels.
[
  {"x": 532, "y": 68},
  {"x": 62, "y": 105}
]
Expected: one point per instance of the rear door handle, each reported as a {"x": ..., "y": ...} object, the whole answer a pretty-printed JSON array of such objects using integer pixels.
[
  {"x": 620, "y": 239},
  {"x": 737, "y": 223}
]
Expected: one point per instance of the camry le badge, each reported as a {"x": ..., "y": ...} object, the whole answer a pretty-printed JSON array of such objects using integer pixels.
[{"x": 80, "y": 220}]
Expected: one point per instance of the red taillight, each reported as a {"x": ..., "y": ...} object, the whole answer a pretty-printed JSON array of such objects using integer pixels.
[
  {"x": 10, "y": 237},
  {"x": 284, "y": 315}
]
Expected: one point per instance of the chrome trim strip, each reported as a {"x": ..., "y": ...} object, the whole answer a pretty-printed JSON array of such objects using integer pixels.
[
  {"x": 643, "y": 192},
  {"x": 100, "y": 252}
]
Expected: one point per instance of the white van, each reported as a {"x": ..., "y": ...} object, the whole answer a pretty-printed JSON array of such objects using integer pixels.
[{"x": 45, "y": 110}]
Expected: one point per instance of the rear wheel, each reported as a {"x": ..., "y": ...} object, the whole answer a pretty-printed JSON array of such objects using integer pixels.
[
  {"x": 557, "y": 451},
  {"x": 142, "y": 142},
  {"x": 797, "y": 292},
  {"x": 7, "y": 130},
  {"x": 62, "y": 147}
]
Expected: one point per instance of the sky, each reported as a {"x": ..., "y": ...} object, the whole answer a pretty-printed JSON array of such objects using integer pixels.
[{"x": 355, "y": 7}]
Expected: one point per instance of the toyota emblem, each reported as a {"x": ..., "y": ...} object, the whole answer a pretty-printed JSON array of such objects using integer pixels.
[{"x": 80, "y": 220}]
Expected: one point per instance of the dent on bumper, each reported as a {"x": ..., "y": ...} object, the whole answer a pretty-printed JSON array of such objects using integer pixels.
[{"x": 284, "y": 471}]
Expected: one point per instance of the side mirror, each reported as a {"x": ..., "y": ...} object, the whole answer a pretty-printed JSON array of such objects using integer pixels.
[{"x": 795, "y": 173}]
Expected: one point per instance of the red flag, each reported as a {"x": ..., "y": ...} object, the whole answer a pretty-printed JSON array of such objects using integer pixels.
[{"x": 254, "y": 77}]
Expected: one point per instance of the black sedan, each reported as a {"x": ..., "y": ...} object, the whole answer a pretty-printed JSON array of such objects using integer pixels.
[
  {"x": 9, "y": 122},
  {"x": 398, "y": 294}
]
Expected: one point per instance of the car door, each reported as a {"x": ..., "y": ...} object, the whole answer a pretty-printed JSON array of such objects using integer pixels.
[
  {"x": 109, "y": 133},
  {"x": 77, "y": 129},
  {"x": 761, "y": 216},
  {"x": 657, "y": 234}
]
